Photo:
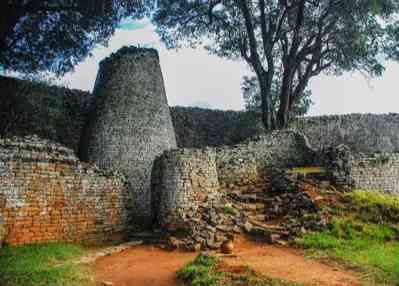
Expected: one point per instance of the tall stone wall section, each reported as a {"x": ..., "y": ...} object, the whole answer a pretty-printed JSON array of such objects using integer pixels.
[
  {"x": 199, "y": 127},
  {"x": 51, "y": 112},
  {"x": 130, "y": 124},
  {"x": 379, "y": 172},
  {"x": 363, "y": 133},
  {"x": 192, "y": 176},
  {"x": 375, "y": 172},
  {"x": 47, "y": 194},
  {"x": 59, "y": 114}
]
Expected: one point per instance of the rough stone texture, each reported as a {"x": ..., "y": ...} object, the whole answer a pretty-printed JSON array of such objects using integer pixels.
[
  {"x": 59, "y": 114},
  {"x": 190, "y": 177},
  {"x": 130, "y": 123},
  {"x": 55, "y": 113},
  {"x": 200, "y": 127},
  {"x": 245, "y": 163},
  {"x": 47, "y": 194},
  {"x": 366, "y": 133},
  {"x": 378, "y": 171}
]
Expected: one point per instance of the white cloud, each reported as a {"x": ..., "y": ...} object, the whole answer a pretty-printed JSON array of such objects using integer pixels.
[{"x": 193, "y": 76}]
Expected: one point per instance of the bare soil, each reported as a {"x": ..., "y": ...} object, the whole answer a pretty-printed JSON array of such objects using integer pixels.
[{"x": 152, "y": 266}]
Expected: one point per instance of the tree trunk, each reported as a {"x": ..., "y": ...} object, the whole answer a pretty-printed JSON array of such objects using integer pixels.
[
  {"x": 285, "y": 100},
  {"x": 268, "y": 116}
]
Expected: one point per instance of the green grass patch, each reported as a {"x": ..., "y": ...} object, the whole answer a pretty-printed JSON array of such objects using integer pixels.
[
  {"x": 306, "y": 170},
  {"x": 201, "y": 272},
  {"x": 374, "y": 206},
  {"x": 364, "y": 233},
  {"x": 42, "y": 265},
  {"x": 204, "y": 271}
]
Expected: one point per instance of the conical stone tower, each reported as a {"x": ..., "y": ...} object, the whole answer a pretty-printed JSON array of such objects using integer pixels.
[{"x": 130, "y": 124}]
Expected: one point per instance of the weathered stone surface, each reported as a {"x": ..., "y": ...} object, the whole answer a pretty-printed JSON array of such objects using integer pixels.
[
  {"x": 130, "y": 124},
  {"x": 378, "y": 171},
  {"x": 2, "y": 231},
  {"x": 47, "y": 194}
]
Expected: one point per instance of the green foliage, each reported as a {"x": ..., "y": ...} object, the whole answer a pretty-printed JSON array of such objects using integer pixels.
[
  {"x": 365, "y": 235},
  {"x": 286, "y": 43},
  {"x": 228, "y": 209},
  {"x": 252, "y": 97},
  {"x": 201, "y": 272},
  {"x": 374, "y": 206},
  {"x": 56, "y": 35},
  {"x": 42, "y": 265}
]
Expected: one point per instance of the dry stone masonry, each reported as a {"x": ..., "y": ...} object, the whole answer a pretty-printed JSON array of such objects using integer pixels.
[
  {"x": 206, "y": 194},
  {"x": 47, "y": 194},
  {"x": 130, "y": 123},
  {"x": 378, "y": 171},
  {"x": 193, "y": 178}
]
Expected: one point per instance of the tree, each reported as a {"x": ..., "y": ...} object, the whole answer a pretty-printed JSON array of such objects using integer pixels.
[
  {"x": 54, "y": 35},
  {"x": 252, "y": 98},
  {"x": 288, "y": 40}
]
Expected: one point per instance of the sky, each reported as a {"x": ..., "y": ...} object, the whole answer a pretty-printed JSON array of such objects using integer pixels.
[{"x": 196, "y": 78}]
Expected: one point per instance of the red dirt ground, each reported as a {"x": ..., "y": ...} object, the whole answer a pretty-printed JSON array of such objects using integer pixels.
[{"x": 151, "y": 266}]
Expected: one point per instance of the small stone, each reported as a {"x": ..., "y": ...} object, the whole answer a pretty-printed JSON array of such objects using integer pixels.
[
  {"x": 107, "y": 283},
  {"x": 197, "y": 247},
  {"x": 273, "y": 238},
  {"x": 248, "y": 226}
]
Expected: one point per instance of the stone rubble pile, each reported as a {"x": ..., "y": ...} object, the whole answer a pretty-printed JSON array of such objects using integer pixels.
[{"x": 273, "y": 214}]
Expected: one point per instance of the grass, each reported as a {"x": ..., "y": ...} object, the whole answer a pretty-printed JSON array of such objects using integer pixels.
[
  {"x": 204, "y": 271},
  {"x": 201, "y": 272},
  {"x": 42, "y": 265},
  {"x": 307, "y": 170},
  {"x": 365, "y": 235}
]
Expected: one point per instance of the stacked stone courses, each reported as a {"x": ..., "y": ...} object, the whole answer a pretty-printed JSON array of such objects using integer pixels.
[
  {"x": 189, "y": 177},
  {"x": 47, "y": 194},
  {"x": 130, "y": 124}
]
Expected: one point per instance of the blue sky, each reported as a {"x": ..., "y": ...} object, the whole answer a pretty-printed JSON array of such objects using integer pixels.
[{"x": 195, "y": 78}]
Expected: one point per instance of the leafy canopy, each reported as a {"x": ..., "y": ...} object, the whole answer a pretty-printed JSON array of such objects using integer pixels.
[
  {"x": 55, "y": 35},
  {"x": 286, "y": 41}
]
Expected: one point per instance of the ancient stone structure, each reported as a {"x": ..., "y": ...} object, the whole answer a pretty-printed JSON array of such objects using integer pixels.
[
  {"x": 47, "y": 194},
  {"x": 189, "y": 176},
  {"x": 362, "y": 133},
  {"x": 378, "y": 171},
  {"x": 59, "y": 114},
  {"x": 130, "y": 124},
  {"x": 51, "y": 112}
]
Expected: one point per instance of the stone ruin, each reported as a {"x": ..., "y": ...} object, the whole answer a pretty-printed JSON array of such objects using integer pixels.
[
  {"x": 48, "y": 194},
  {"x": 130, "y": 124}
]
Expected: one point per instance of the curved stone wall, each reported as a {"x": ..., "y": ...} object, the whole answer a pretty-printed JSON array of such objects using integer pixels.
[
  {"x": 130, "y": 124},
  {"x": 189, "y": 177}
]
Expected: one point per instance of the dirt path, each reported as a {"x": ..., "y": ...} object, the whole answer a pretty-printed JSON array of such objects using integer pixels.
[
  {"x": 150, "y": 266},
  {"x": 289, "y": 264},
  {"x": 141, "y": 266}
]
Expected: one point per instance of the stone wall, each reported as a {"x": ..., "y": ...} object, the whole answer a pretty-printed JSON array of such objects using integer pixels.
[
  {"x": 378, "y": 171},
  {"x": 59, "y": 114},
  {"x": 188, "y": 178},
  {"x": 365, "y": 133},
  {"x": 129, "y": 123},
  {"x": 192, "y": 176},
  {"x": 200, "y": 127},
  {"x": 51, "y": 112},
  {"x": 47, "y": 194}
]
